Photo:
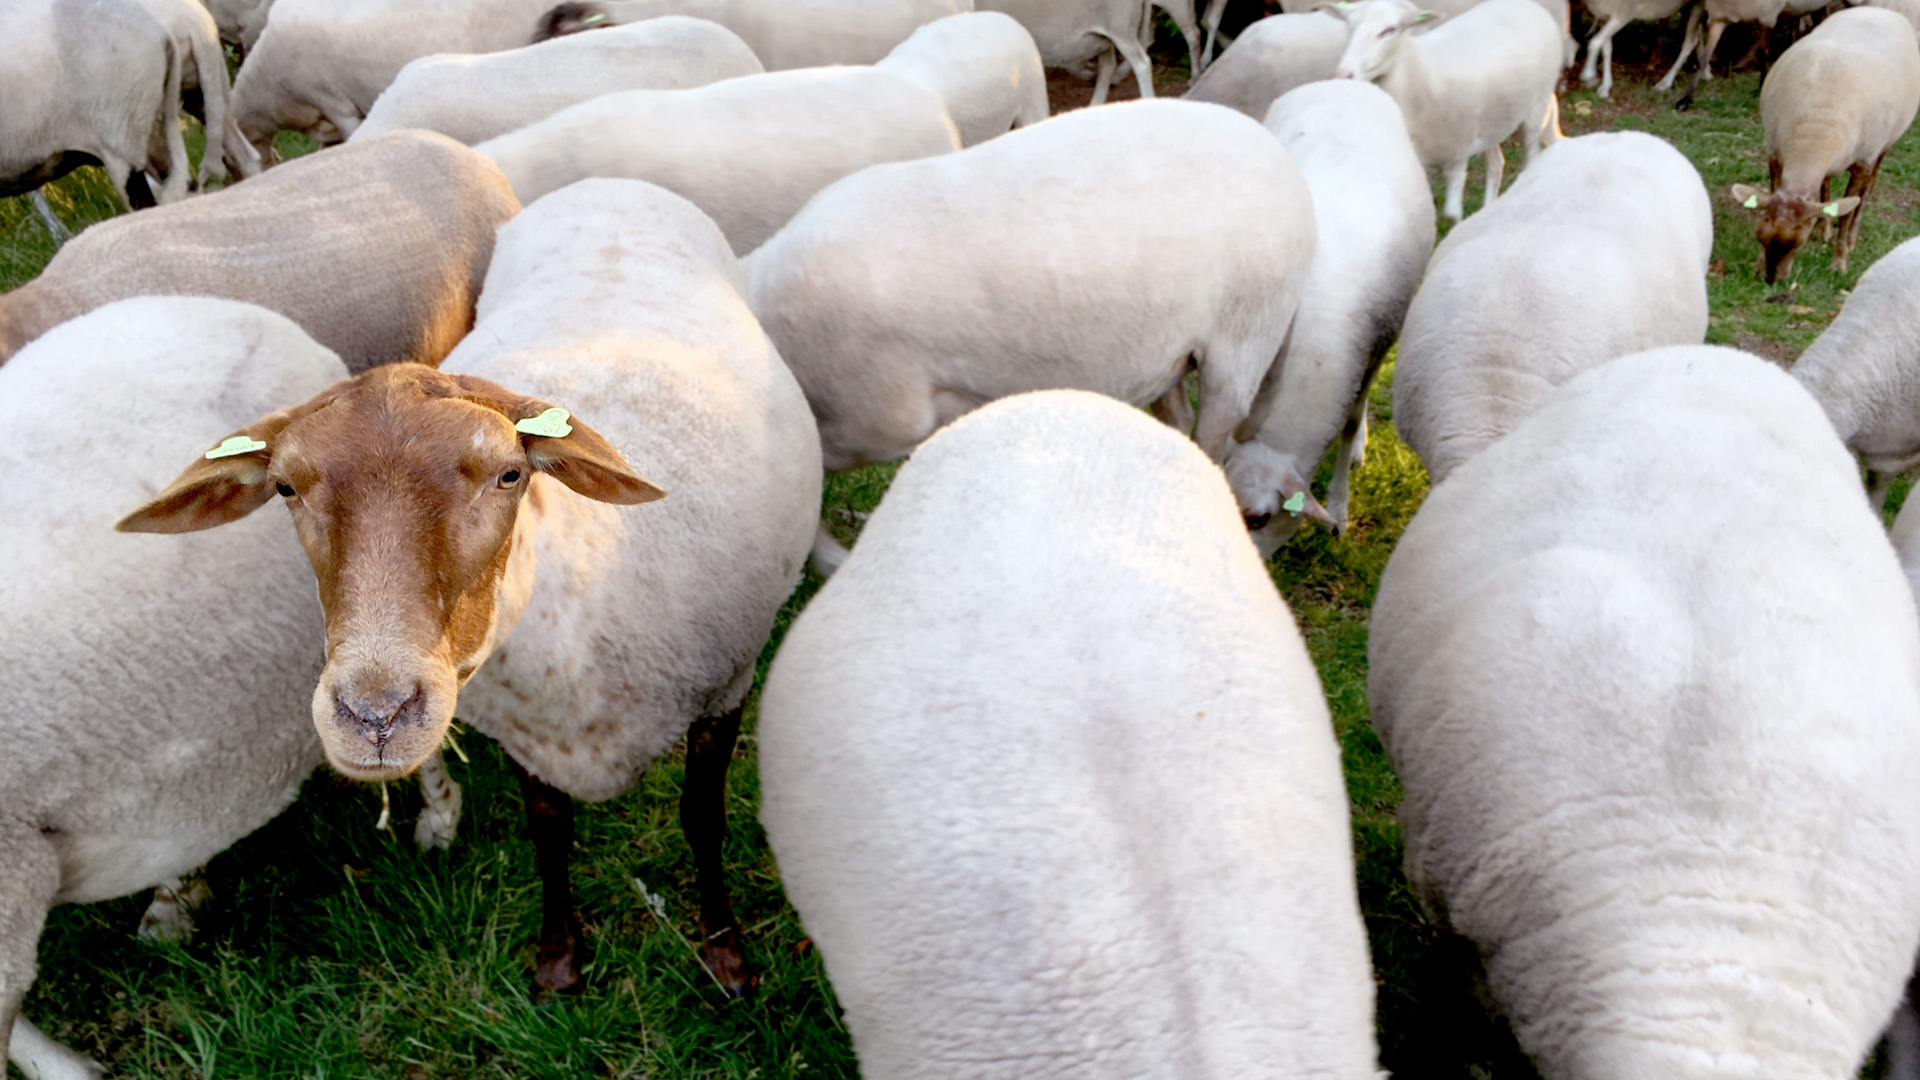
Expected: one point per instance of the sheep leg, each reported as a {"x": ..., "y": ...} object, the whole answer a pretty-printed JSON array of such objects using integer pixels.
[
  {"x": 1129, "y": 47},
  {"x": 1237, "y": 391},
  {"x": 170, "y": 916},
  {"x": 1174, "y": 408},
  {"x": 440, "y": 817},
  {"x": 1456, "y": 174},
  {"x": 1703, "y": 72},
  {"x": 1903, "y": 1040},
  {"x": 550, "y": 827},
  {"x": 55, "y": 227},
  {"x": 1688, "y": 39},
  {"x": 26, "y": 892},
  {"x": 1211, "y": 19},
  {"x": 1496, "y": 171},
  {"x": 1606, "y": 77},
  {"x": 1864, "y": 177},
  {"x": 703, "y": 819},
  {"x": 1104, "y": 79},
  {"x": 1595, "y": 44},
  {"x": 1349, "y": 450}
]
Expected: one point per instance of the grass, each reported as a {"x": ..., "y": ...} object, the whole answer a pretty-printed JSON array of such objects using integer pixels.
[{"x": 331, "y": 950}]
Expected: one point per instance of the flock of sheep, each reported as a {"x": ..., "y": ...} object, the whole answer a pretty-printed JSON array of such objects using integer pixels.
[{"x": 1045, "y": 766}]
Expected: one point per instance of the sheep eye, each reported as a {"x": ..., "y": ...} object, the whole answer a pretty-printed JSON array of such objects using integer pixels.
[
  {"x": 1388, "y": 32},
  {"x": 509, "y": 478},
  {"x": 286, "y": 490}
]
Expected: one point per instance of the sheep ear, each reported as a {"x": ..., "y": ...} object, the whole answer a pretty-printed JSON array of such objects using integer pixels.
[
  {"x": 226, "y": 484},
  {"x": 1298, "y": 501},
  {"x": 1841, "y": 207},
  {"x": 1749, "y": 196},
  {"x": 558, "y": 444}
]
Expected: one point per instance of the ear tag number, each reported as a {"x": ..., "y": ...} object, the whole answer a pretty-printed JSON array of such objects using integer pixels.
[
  {"x": 1752, "y": 203},
  {"x": 1295, "y": 503},
  {"x": 552, "y": 423},
  {"x": 234, "y": 446}
]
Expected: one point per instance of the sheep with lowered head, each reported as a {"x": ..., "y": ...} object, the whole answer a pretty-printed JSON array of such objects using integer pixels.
[
  {"x": 377, "y": 250},
  {"x": 584, "y": 638},
  {"x": 1465, "y": 86},
  {"x": 1056, "y": 256},
  {"x": 750, "y": 151},
  {"x": 1865, "y": 369},
  {"x": 1373, "y": 216},
  {"x": 1599, "y": 250},
  {"x": 1271, "y": 58},
  {"x": 157, "y": 690},
  {"x": 1031, "y": 827},
  {"x": 1649, "y": 674},
  {"x": 473, "y": 98},
  {"x": 1836, "y": 101},
  {"x": 984, "y": 66}
]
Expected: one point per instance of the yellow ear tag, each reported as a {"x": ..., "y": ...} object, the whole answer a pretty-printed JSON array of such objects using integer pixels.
[
  {"x": 1832, "y": 210},
  {"x": 1752, "y": 203},
  {"x": 552, "y": 423},
  {"x": 1295, "y": 503},
  {"x": 235, "y": 446}
]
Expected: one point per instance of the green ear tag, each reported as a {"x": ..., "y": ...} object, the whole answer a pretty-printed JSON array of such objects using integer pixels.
[
  {"x": 1295, "y": 503},
  {"x": 598, "y": 17},
  {"x": 1752, "y": 203},
  {"x": 1832, "y": 210},
  {"x": 235, "y": 446},
  {"x": 552, "y": 423}
]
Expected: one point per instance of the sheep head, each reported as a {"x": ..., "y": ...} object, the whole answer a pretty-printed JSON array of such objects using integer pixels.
[
  {"x": 570, "y": 18},
  {"x": 1786, "y": 220},
  {"x": 1375, "y": 29},
  {"x": 405, "y": 485}
]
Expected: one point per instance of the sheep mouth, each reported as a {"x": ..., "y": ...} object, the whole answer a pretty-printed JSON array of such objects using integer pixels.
[{"x": 388, "y": 747}]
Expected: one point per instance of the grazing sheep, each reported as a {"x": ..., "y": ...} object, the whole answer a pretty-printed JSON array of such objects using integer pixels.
[
  {"x": 613, "y": 296},
  {"x": 1650, "y": 677},
  {"x": 320, "y": 64},
  {"x": 1373, "y": 216},
  {"x": 1561, "y": 10},
  {"x": 1059, "y": 255},
  {"x": 156, "y": 691},
  {"x": 91, "y": 81},
  {"x": 377, "y": 250},
  {"x": 474, "y": 98},
  {"x": 783, "y": 34},
  {"x": 1271, "y": 58},
  {"x": 983, "y": 65},
  {"x": 1033, "y": 829},
  {"x": 1838, "y": 99},
  {"x": 750, "y": 151},
  {"x": 1072, "y": 33},
  {"x": 1865, "y": 369},
  {"x": 1465, "y": 86},
  {"x": 1614, "y": 16},
  {"x": 1599, "y": 250}
]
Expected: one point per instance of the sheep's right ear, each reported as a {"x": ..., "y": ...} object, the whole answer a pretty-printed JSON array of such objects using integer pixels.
[
  {"x": 226, "y": 484},
  {"x": 1423, "y": 15},
  {"x": 1749, "y": 196}
]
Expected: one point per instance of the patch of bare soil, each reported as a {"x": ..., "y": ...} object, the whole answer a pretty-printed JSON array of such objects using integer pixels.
[
  {"x": 1777, "y": 351},
  {"x": 1065, "y": 93}
]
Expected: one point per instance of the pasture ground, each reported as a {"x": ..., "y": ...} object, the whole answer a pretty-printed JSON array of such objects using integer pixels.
[{"x": 331, "y": 950}]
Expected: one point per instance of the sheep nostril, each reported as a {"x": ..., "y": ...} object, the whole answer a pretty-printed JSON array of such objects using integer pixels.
[{"x": 1256, "y": 522}]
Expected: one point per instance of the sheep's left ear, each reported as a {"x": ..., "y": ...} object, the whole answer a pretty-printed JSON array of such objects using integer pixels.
[
  {"x": 559, "y": 445},
  {"x": 227, "y": 483},
  {"x": 1421, "y": 16},
  {"x": 1841, "y": 207},
  {"x": 1749, "y": 196}
]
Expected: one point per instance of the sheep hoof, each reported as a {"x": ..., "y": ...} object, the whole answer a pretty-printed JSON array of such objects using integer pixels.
[
  {"x": 1683, "y": 104},
  {"x": 727, "y": 963},
  {"x": 557, "y": 969}
]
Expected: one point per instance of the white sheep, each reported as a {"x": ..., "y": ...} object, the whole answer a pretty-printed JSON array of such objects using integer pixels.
[
  {"x": 1837, "y": 100},
  {"x": 749, "y": 151},
  {"x": 196, "y": 40},
  {"x": 1060, "y": 255},
  {"x": 377, "y": 250},
  {"x": 157, "y": 691},
  {"x": 1271, "y": 58},
  {"x": 1073, "y": 33},
  {"x": 1466, "y": 86},
  {"x": 984, "y": 66},
  {"x": 1865, "y": 369},
  {"x": 1599, "y": 250},
  {"x": 1614, "y": 16},
  {"x": 240, "y": 21},
  {"x": 1561, "y": 10},
  {"x": 90, "y": 82},
  {"x": 782, "y": 33},
  {"x": 320, "y": 64},
  {"x": 1649, "y": 674},
  {"x": 1908, "y": 8},
  {"x": 1373, "y": 216},
  {"x": 621, "y": 300},
  {"x": 1718, "y": 15},
  {"x": 472, "y": 98},
  {"x": 1050, "y": 778}
]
